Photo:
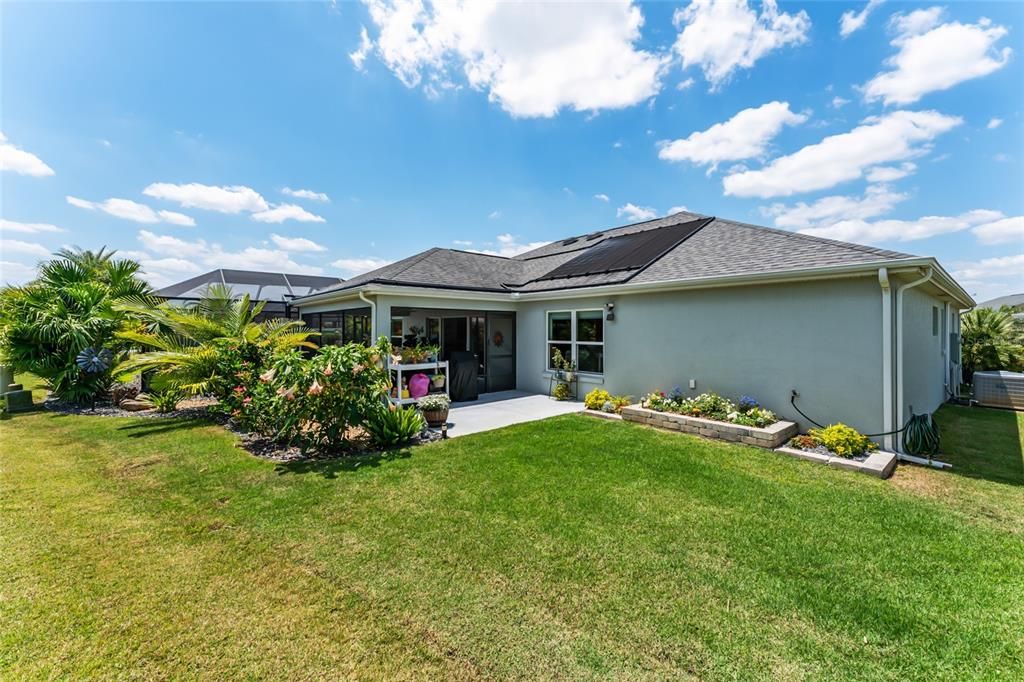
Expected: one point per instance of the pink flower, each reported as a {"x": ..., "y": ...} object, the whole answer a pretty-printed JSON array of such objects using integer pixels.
[
  {"x": 316, "y": 388},
  {"x": 328, "y": 371},
  {"x": 239, "y": 389},
  {"x": 356, "y": 369},
  {"x": 268, "y": 375},
  {"x": 247, "y": 400},
  {"x": 286, "y": 393}
]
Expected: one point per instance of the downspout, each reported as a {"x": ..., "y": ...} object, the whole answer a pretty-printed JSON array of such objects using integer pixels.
[
  {"x": 899, "y": 337},
  {"x": 373, "y": 316},
  {"x": 883, "y": 281}
]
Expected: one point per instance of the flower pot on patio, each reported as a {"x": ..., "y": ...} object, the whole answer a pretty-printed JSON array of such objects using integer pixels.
[{"x": 436, "y": 417}]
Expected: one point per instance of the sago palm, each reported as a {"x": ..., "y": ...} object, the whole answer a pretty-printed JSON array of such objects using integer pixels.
[{"x": 187, "y": 345}]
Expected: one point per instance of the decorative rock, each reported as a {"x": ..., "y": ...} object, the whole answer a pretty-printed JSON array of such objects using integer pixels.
[{"x": 135, "y": 405}]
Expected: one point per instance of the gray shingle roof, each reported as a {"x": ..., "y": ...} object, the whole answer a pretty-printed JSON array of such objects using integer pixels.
[{"x": 721, "y": 248}]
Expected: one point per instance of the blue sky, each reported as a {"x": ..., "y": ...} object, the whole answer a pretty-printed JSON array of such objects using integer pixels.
[{"x": 170, "y": 131}]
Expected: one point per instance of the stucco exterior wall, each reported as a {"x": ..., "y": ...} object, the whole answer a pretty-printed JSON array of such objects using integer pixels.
[
  {"x": 924, "y": 353},
  {"x": 821, "y": 338}
]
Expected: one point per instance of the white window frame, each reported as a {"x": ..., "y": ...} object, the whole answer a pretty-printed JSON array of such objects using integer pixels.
[{"x": 573, "y": 342}]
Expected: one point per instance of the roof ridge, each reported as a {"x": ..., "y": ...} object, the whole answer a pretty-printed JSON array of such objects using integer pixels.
[
  {"x": 475, "y": 253},
  {"x": 862, "y": 248}
]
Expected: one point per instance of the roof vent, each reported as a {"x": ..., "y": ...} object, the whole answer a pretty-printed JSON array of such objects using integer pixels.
[{"x": 570, "y": 240}]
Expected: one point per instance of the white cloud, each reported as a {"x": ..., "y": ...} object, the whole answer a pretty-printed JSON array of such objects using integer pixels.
[
  {"x": 890, "y": 173},
  {"x": 992, "y": 277},
  {"x": 20, "y": 161},
  {"x": 827, "y": 211},
  {"x": 305, "y": 194},
  {"x": 854, "y": 21},
  {"x": 494, "y": 215},
  {"x": 462, "y": 242},
  {"x": 127, "y": 209},
  {"x": 1004, "y": 231},
  {"x": 15, "y": 273},
  {"x": 232, "y": 199},
  {"x": 8, "y": 246},
  {"x": 636, "y": 213},
  {"x": 685, "y": 84},
  {"x": 350, "y": 267},
  {"x": 994, "y": 123},
  {"x": 532, "y": 59},
  {"x": 360, "y": 54},
  {"x": 27, "y": 228},
  {"x": 903, "y": 230},
  {"x": 602, "y": 197},
  {"x": 932, "y": 58},
  {"x": 296, "y": 243},
  {"x": 746, "y": 135},
  {"x": 508, "y": 245},
  {"x": 172, "y": 255},
  {"x": 838, "y": 102},
  {"x": 839, "y": 158},
  {"x": 722, "y": 36},
  {"x": 283, "y": 212},
  {"x": 677, "y": 209}
]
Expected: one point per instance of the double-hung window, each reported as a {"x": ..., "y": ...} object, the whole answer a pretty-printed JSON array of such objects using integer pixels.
[{"x": 579, "y": 336}]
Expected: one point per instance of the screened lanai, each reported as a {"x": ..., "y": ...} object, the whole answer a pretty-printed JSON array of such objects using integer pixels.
[{"x": 277, "y": 289}]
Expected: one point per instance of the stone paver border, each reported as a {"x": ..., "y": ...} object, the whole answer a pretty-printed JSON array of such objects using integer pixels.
[
  {"x": 879, "y": 463},
  {"x": 769, "y": 437}
]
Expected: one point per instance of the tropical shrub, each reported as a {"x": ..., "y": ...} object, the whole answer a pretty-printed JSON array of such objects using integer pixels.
[
  {"x": 208, "y": 347},
  {"x": 990, "y": 340},
  {"x": 166, "y": 400},
  {"x": 843, "y": 440},
  {"x": 316, "y": 402},
  {"x": 69, "y": 308},
  {"x": 390, "y": 426}
]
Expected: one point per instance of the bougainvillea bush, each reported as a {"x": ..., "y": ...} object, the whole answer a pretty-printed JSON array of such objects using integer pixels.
[
  {"x": 747, "y": 411},
  {"x": 316, "y": 402}
]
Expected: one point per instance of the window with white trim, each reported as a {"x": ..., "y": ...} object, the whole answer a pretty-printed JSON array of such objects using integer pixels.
[{"x": 579, "y": 335}]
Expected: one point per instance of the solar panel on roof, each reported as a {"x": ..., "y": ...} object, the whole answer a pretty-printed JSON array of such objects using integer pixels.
[{"x": 626, "y": 252}]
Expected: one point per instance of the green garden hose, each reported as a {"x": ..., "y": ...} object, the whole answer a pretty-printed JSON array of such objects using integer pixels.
[{"x": 921, "y": 436}]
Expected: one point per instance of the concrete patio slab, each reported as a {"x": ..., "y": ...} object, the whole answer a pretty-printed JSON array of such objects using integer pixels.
[{"x": 504, "y": 408}]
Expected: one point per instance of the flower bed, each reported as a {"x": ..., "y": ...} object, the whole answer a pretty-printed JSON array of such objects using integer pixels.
[
  {"x": 746, "y": 412},
  {"x": 771, "y": 436}
]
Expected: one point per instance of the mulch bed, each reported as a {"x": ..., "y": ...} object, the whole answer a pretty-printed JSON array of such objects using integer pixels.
[{"x": 253, "y": 443}]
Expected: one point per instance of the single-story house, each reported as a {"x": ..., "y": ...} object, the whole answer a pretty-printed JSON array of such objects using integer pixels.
[
  {"x": 865, "y": 336},
  {"x": 276, "y": 290}
]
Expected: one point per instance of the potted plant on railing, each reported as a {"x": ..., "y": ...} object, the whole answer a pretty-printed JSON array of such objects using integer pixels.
[
  {"x": 434, "y": 408},
  {"x": 437, "y": 380}
]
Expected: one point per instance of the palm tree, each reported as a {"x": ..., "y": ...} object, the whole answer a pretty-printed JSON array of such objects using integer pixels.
[
  {"x": 190, "y": 346},
  {"x": 988, "y": 341},
  {"x": 69, "y": 307}
]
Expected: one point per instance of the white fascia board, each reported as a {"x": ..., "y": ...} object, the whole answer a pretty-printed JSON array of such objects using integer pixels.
[{"x": 946, "y": 283}]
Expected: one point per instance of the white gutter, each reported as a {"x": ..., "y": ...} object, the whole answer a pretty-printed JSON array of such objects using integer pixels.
[
  {"x": 373, "y": 315},
  {"x": 883, "y": 281},
  {"x": 899, "y": 338}
]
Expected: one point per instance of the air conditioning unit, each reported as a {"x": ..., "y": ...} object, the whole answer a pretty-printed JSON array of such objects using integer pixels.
[{"x": 999, "y": 389}]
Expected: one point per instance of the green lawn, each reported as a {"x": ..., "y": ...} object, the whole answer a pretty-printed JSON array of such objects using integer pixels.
[{"x": 570, "y": 548}]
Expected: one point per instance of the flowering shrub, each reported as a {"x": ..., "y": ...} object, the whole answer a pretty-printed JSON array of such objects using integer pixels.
[
  {"x": 313, "y": 402},
  {"x": 842, "y": 440},
  {"x": 600, "y": 399},
  {"x": 712, "y": 406}
]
